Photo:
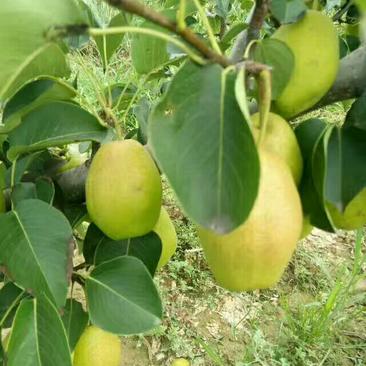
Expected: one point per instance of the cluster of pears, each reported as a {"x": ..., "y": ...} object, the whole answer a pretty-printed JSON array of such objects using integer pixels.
[
  {"x": 255, "y": 255},
  {"x": 124, "y": 195}
]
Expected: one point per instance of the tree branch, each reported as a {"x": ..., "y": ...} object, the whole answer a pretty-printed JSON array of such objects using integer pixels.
[
  {"x": 260, "y": 12},
  {"x": 137, "y": 8}
]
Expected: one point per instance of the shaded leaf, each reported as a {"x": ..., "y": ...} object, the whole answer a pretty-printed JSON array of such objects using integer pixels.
[
  {"x": 122, "y": 297},
  {"x": 10, "y": 296},
  {"x": 206, "y": 136},
  {"x": 288, "y": 11},
  {"x": 54, "y": 124},
  {"x": 75, "y": 320},
  {"x": 356, "y": 117},
  {"x": 38, "y": 336},
  {"x": 31, "y": 95},
  {"x": 25, "y": 51},
  {"x": 35, "y": 236},
  {"x": 279, "y": 56}
]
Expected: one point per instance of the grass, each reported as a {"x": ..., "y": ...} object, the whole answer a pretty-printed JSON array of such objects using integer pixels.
[{"x": 315, "y": 316}]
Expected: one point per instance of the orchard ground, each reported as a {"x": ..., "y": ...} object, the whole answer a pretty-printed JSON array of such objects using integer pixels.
[{"x": 315, "y": 316}]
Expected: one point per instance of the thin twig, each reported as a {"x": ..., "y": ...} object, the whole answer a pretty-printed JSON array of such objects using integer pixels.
[
  {"x": 146, "y": 12},
  {"x": 339, "y": 14},
  {"x": 260, "y": 11}
]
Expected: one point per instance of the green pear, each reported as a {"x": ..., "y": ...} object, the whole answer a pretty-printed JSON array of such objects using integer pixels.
[
  {"x": 255, "y": 255},
  {"x": 353, "y": 217},
  {"x": 168, "y": 236},
  {"x": 123, "y": 190},
  {"x": 314, "y": 43},
  {"x": 280, "y": 139},
  {"x": 97, "y": 348}
]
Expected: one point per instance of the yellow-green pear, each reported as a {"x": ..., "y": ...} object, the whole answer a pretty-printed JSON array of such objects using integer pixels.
[
  {"x": 280, "y": 139},
  {"x": 255, "y": 255},
  {"x": 353, "y": 217},
  {"x": 97, "y": 347},
  {"x": 306, "y": 227},
  {"x": 314, "y": 43},
  {"x": 181, "y": 362},
  {"x": 123, "y": 190},
  {"x": 168, "y": 236}
]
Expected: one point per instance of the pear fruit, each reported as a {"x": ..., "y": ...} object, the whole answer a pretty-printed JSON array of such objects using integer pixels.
[
  {"x": 123, "y": 190},
  {"x": 354, "y": 215},
  {"x": 168, "y": 236},
  {"x": 180, "y": 362},
  {"x": 255, "y": 255},
  {"x": 280, "y": 139},
  {"x": 314, "y": 43},
  {"x": 97, "y": 348}
]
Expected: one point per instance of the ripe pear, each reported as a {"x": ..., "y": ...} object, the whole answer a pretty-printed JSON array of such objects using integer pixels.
[
  {"x": 168, "y": 236},
  {"x": 97, "y": 348},
  {"x": 255, "y": 255},
  {"x": 181, "y": 362},
  {"x": 353, "y": 217},
  {"x": 314, "y": 43},
  {"x": 123, "y": 190},
  {"x": 280, "y": 139}
]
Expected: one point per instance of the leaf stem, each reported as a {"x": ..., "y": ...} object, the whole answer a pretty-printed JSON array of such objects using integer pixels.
[
  {"x": 149, "y": 32},
  {"x": 206, "y": 23},
  {"x": 181, "y": 23},
  {"x": 265, "y": 97}
]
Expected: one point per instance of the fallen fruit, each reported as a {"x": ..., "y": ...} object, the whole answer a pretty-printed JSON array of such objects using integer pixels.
[
  {"x": 280, "y": 139},
  {"x": 180, "y": 362},
  {"x": 353, "y": 217},
  {"x": 314, "y": 43},
  {"x": 168, "y": 236},
  {"x": 123, "y": 190},
  {"x": 255, "y": 255},
  {"x": 97, "y": 348}
]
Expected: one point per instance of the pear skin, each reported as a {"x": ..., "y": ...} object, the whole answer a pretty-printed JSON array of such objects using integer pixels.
[
  {"x": 97, "y": 348},
  {"x": 255, "y": 255},
  {"x": 314, "y": 43},
  {"x": 280, "y": 139},
  {"x": 123, "y": 190},
  {"x": 353, "y": 217},
  {"x": 168, "y": 236}
]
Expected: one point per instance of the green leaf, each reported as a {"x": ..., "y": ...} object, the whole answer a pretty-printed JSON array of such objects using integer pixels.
[
  {"x": 35, "y": 236},
  {"x": 288, "y": 11},
  {"x": 45, "y": 189},
  {"x": 54, "y": 124},
  {"x": 120, "y": 95},
  {"x": 31, "y": 95},
  {"x": 10, "y": 296},
  {"x": 147, "y": 52},
  {"x": 108, "y": 44},
  {"x": 231, "y": 34},
  {"x": 344, "y": 180},
  {"x": 278, "y": 55},
  {"x": 122, "y": 297},
  {"x": 25, "y": 52},
  {"x": 208, "y": 155},
  {"x": 75, "y": 320},
  {"x": 98, "y": 248},
  {"x": 75, "y": 213},
  {"x": 38, "y": 336},
  {"x": 356, "y": 117},
  {"x": 309, "y": 134},
  {"x": 23, "y": 191}
]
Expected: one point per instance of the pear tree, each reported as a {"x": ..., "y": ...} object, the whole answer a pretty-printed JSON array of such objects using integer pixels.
[{"x": 229, "y": 132}]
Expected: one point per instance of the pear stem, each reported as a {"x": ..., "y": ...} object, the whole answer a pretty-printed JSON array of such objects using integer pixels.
[{"x": 265, "y": 97}]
